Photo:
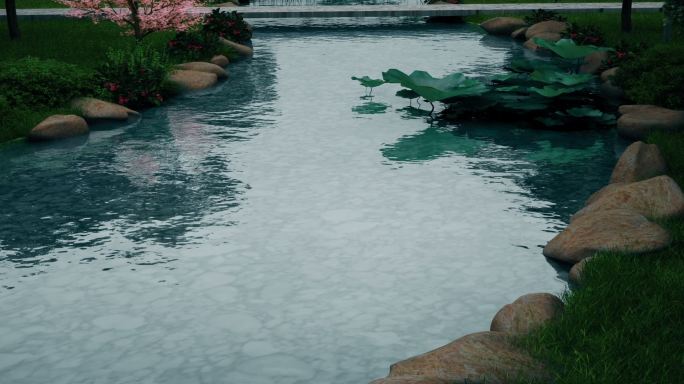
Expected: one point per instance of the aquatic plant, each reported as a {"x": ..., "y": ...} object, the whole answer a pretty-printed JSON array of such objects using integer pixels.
[
  {"x": 369, "y": 83},
  {"x": 568, "y": 49},
  {"x": 435, "y": 89}
]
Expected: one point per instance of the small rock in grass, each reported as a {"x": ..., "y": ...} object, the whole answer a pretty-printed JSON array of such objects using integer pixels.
[
  {"x": 192, "y": 80},
  {"x": 638, "y": 121},
  {"x": 95, "y": 109},
  {"x": 202, "y": 66},
  {"x": 619, "y": 230},
  {"x": 576, "y": 271},
  {"x": 640, "y": 161},
  {"x": 519, "y": 34},
  {"x": 59, "y": 127},
  {"x": 550, "y": 26},
  {"x": 527, "y": 313},
  {"x": 220, "y": 60},
  {"x": 656, "y": 198},
  {"x": 489, "y": 357},
  {"x": 502, "y": 25}
]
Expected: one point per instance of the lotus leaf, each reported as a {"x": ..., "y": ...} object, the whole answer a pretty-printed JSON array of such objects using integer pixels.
[
  {"x": 584, "y": 112},
  {"x": 513, "y": 88},
  {"x": 551, "y": 91},
  {"x": 549, "y": 121},
  {"x": 368, "y": 82},
  {"x": 550, "y": 77},
  {"x": 526, "y": 66},
  {"x": 435, "y": 89},
  {"x": 568, "y": 49},
  {"x": 407, "y": 94}
]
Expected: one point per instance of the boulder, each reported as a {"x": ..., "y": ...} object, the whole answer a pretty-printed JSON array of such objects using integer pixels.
[
  {"x": 192, "y": 80},
  {"x": 527, "y": 313},
  {"x": 59, "y": 127},
  {"x": 502, "y": 25},
  {"x": 239, "y": 48},
  {"x": 202, "y": 66},
  {"x": 608, "y": 74},
  {"x": 656, "y": 198},
  {"x": 593, "y": 62},
  {"x": 550, "y": 26},
  {"x": 519, "y": 34},
  {"x": 575, "y": 274},
  {"x": 550, "y": 36},
  {"x": 220, "y": 60},
  {"x": 638, "y": 121},
  {"x": 94, "y": 109},
  {"x": 640, "y": 161},
  {"x": 487, "y": 357},
  {"x": 411, "y": 380},
  {"x": 619, "y": 230}
]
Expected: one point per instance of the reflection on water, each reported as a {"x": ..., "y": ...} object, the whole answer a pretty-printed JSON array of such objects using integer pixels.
[{"x": 270, "y": 231}]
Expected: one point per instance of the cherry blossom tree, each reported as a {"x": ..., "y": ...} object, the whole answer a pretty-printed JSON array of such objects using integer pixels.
[{"x": 141, "y": 17}]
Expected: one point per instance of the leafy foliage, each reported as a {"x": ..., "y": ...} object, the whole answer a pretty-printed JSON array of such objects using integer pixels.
[
  {"x": 675, "y": 10},
  {"x": 543, "y": 15},
  {"x": 436, "y": 89},
  {"x": 624, "y": 52},
  {"x": 568, "y": 49},
  {"x": 193, "y": 45},
  {"x": 655, "y": 77},
  {"x": 33, "y": 82},
  {"x": 229, "y": 25},
  {"x": 368, "y": 82},
  {"x": 584, "y": 34},
  {"x": 136, "y": 78}
]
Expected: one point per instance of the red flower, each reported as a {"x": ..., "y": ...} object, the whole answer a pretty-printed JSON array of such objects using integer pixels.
[{"x": 123, "y": 100}]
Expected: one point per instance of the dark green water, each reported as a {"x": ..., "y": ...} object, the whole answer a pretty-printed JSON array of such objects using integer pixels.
[{"x": 279, "y": 228}]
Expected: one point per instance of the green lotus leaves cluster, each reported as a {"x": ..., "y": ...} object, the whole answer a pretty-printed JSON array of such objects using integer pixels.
[
  {"x": 368, "y": 82},
  {"x": 567, "y": 48},
  {"x": 435, "y": 89}
]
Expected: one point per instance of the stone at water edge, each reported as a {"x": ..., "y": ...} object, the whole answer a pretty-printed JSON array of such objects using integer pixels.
[
  {"x": 640, "y": 161},
  {"x": 502, "y": 25},
  {"x": 95, "y": 109},
  {"x": 656, "y": 198},
  {"x": 593, "y": 62},
  {"x": 576, "y": 271},
  {"x": 527, "y": 313},
  {"x": 411, "y": 380},
  {"x": 487, "y": 357},
  {"x": 519, "y": 34},
  {"x": 638, "y": 121},
  {"x": 608, "y": 74},
  {"x": 59, "y": 127},
  {"x": 239, "y": 48},
  {"x": 618, "y": 230},
  {"x": 550, "y": 26},
  {"x": 202, "y": 66},
  {"x": 220, "y": 60},
  {"x": 192, "y": 80},
  {"x": 550, "y": 36}
]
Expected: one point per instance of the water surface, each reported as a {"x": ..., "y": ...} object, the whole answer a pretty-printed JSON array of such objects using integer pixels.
[{"x": 280, "y": 228}]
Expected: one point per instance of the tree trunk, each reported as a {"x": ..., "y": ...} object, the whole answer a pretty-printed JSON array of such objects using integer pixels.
[
  {"x": 626, "y": 15},
  {"x": 11, "y": 10}
]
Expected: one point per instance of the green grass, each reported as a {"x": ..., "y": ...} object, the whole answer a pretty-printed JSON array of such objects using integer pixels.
[{"x": 624, "y": 324}]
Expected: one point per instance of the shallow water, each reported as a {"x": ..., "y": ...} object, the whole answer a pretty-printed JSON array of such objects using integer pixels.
[{"x": 279, "y": 228}]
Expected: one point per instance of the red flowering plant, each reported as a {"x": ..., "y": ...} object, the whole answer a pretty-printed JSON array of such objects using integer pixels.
[
  {"x": 136, "y": 78},
  {"x": 193, "y": 45},
  {"x": 229, "y": 25},
  {"x": 625, "y": 51},
  {"x": 584, "y": 34}
]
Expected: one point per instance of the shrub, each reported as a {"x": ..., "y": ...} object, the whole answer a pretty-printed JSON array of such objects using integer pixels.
[
  {"x": 189, "y": 46},
  {"x": 585, "y": 34},
  {"x": 229, "y": 25},
  {"x": 675, "y": 10},
  {"x": 136, "y": 78},
  {"x": 543, "y": 15},
  {"x": 32, "y": 82},
  {"x": 655, "y": 77},
  {"x": 624, "y": 52}
]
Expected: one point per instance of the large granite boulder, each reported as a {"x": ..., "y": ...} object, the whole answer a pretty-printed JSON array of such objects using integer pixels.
[
  {"x": 619, "y": 230},
  {"x": 202, "y": 66},
  {"x": 576, "y": 271},
  {"x": 502, "y": 25},
  {"x": 545, "y": 27},
  {"x": 638, "y": 121},
  {"x": 59, "y": 127},
  {"x": 656, "y": 198},
  {"x": 640, "y": 161},
  {"x": 411, "y": 380},
  {"x": 95, "y": 109},
  {"x": 593, "y": 62},
  {"x": 239, "y": 48},
  {"x": 527, "y": 313},
  {"x": 487, "y": 357},
  {"x": 192, "y": 80},
  {"x": 220, "y": 60},
  {"x": 519, "y": 34}
]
